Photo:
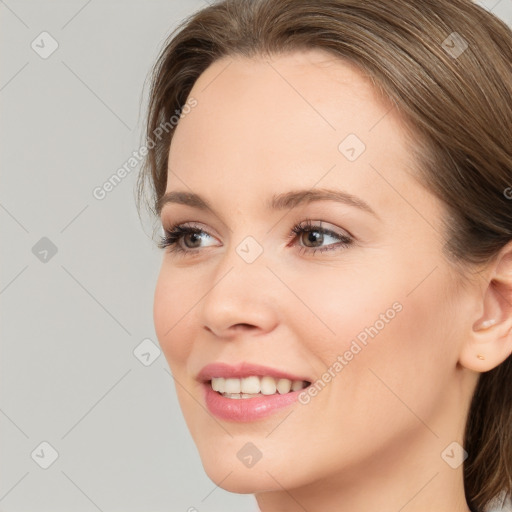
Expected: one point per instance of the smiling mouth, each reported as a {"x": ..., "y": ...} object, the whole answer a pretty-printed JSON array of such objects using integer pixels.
[{"x": 253, "y": 386}]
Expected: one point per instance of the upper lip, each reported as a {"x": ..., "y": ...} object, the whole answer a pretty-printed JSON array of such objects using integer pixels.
[{"x": 243, "y": 369}]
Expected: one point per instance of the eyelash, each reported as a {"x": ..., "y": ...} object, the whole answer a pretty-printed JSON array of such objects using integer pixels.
[{"x": 176, "y": 232}]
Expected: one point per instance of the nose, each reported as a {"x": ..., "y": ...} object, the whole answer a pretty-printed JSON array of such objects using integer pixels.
[{"x": 241, "y": 298}]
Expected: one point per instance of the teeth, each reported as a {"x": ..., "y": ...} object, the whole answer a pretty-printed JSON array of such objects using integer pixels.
[
  {"x": 296, "y": 385},
  {"x": 231, "y": 386},
  {"x": 268, "y": 386},
  {"x": 284, "y": 385},
  {"x": 247, "y": 387},
  {"x": 218, "y": 383},
  {"x": 250, "y": 385}
]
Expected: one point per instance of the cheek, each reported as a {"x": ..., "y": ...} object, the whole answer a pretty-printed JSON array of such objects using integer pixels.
[
  {"x": 380, "y": 343},
  {"x": 345, "y": 307},
  {"x": 172, "y": 301}
]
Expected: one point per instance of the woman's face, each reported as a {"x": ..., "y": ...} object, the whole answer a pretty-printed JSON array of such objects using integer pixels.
[{"x": 368, "y": 310}]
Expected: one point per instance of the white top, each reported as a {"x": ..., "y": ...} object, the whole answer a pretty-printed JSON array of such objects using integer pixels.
[{"x": 498, "y": 504}]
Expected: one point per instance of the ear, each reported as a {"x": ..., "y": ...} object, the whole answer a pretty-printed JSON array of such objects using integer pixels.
[{"x": 489, "y": 341}]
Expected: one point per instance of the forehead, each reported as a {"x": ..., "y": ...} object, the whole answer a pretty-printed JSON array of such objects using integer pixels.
[
  {"x": 328, "y": 95},
  {"x": 289, "y": 119}
]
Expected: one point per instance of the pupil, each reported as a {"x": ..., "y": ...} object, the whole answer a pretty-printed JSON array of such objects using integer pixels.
[
  {"x": 314, "y": 236},
  {"x": 194, "y": 237}
]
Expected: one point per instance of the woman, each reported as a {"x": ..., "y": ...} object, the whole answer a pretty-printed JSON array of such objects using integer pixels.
[{"x": 333, "y": 178}]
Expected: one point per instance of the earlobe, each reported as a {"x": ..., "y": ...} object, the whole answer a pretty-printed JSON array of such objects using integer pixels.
[
  {"x": 488, "y": 345},
  {"x": 484, "y": 323},
  {"x": 489, "y": 341}
]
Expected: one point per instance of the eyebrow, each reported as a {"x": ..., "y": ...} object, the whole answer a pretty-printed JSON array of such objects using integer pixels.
[{"x": 282, "y": 201}]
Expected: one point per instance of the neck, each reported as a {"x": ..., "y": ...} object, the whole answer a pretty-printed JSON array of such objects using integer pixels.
[{"x": 411, "y": 476}]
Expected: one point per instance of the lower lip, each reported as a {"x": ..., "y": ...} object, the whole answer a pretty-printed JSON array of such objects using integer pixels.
[{"x": 246, "y": 409}]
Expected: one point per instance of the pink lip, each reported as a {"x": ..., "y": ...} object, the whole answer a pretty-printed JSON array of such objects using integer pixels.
[
  {"x": 243, "y": 369},
  {"x": 244, "y": 409}
]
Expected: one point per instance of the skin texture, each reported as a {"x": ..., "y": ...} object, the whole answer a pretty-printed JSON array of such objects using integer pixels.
[{"x": 372, "y": 438}]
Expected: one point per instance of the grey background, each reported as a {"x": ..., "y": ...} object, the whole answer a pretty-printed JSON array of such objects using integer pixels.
[{"x": 70, "y": 323}]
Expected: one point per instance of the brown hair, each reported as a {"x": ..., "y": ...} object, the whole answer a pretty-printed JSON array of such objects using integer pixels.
[{"x": 458, "y": 101}]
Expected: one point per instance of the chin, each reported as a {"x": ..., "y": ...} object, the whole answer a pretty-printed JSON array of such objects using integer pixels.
[
  {"x": 229, "y": 465},
  {"x": 243, "y": 480}
]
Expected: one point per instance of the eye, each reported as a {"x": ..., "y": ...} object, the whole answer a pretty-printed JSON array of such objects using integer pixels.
[
  {"x": 179, "y": 234},
  {"x": 316, "y": 234},
  {"x": 185, "y": 239}
]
